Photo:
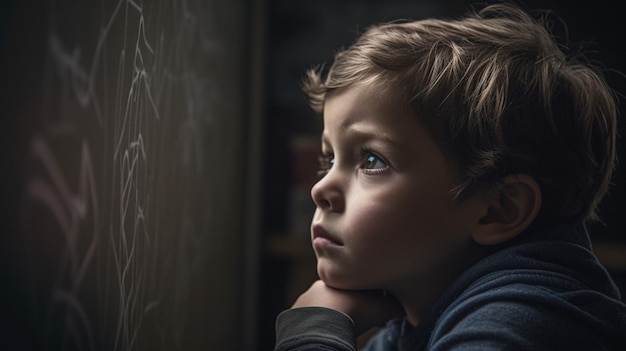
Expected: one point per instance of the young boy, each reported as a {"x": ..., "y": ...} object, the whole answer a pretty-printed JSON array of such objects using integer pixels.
[{"x": 461, "y": 161}]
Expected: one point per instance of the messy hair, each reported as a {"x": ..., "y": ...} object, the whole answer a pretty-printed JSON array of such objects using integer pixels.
[{"x": 499, "y": 95}]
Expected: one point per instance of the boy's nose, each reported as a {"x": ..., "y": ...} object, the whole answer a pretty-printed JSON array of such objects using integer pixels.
[{"x": 327, "y": 194}]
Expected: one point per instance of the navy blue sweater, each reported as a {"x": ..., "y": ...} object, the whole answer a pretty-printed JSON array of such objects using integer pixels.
[{"x": 546, "y": 291}]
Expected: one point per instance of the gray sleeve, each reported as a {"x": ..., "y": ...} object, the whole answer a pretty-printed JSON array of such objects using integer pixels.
[{"x": 314, "y": 328}]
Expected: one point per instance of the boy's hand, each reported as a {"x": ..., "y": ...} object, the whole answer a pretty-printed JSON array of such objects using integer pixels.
[{"x": 368, "y": 309}]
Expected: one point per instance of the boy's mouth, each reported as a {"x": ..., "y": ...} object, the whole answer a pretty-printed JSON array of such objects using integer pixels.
[{"x": 321, "y": 236}]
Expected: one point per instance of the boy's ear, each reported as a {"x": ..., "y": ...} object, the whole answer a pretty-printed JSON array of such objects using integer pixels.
[{"x": 510, "y": 209}]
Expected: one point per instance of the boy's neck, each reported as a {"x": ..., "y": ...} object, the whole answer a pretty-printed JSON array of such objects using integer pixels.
[{"x": 417, "y": 297}]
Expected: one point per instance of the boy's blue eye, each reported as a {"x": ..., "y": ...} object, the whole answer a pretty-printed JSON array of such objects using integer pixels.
[{"x": 374, "y": 162}]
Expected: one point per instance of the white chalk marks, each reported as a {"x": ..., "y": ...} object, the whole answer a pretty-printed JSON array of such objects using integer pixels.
[{"x": 118, "y": 231}]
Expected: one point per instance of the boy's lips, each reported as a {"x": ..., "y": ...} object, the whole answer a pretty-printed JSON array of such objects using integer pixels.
[{"x": 320, "y": 234}]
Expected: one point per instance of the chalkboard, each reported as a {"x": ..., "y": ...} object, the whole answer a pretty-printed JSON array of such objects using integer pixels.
[{"x": 124, "y": 154}]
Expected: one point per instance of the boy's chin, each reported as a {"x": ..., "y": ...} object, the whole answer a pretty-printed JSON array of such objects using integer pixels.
[
  {"x": 333, "y": 280},
  {"x": 342, "y": 283}
]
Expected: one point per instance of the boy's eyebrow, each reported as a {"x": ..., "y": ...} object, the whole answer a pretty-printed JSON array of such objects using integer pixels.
[{"x": 364, "y": 131}]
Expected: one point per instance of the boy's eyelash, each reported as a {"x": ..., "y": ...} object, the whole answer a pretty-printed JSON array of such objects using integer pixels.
[
  {"x": 367, "y": 152},
  {"x": 325, "y": 163}
]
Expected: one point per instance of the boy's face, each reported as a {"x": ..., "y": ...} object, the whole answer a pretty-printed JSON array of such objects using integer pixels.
[{"x": 385, "y": 216}]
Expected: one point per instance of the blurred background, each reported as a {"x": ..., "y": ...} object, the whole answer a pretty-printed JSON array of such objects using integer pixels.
[{"x": 157, "y": 160}]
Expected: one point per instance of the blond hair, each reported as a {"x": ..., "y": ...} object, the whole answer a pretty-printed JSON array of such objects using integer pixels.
[{"x": 499, "y": 96}]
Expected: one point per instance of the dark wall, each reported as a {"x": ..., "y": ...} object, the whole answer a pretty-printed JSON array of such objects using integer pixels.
[{"x": 122, "y": 161}]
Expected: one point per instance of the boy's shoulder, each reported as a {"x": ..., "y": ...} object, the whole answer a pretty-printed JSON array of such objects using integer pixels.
[
  {"x": 547, "y": 291},
  {"x": 559, "y": 258}
]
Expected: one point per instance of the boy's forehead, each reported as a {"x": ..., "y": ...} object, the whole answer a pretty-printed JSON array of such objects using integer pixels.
[
  {"x": 356, "y": 96},
  {"x": 346, "y": 106},
  {"x": 361, "y": 111}
]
